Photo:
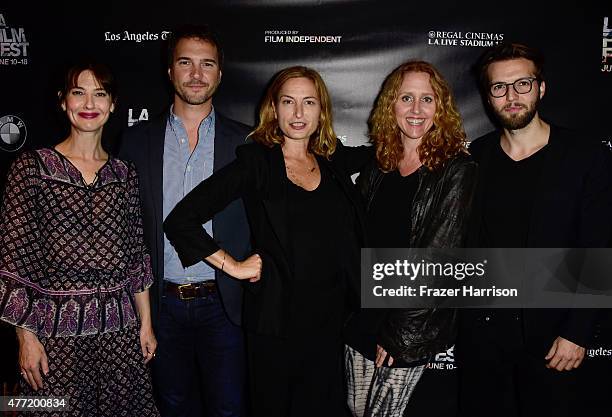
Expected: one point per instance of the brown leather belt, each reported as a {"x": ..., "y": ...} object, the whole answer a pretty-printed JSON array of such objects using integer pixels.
[{"x": 191, "y": 291}]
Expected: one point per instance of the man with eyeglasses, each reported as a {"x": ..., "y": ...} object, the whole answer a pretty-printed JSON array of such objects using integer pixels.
[{"x": 539, "y": 186}]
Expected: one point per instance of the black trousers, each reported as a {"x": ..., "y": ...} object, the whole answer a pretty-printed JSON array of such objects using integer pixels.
[{"x": 500, "y": 377}]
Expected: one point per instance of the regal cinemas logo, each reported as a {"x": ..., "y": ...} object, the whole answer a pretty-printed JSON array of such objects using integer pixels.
[
  {"x": 606, "y": 50},
  {"x": 13, "y": 44},
  {"x": 465, "y": 39}
]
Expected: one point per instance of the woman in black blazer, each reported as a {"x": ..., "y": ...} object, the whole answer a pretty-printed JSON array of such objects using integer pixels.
[{"x": 307, "y": 227}]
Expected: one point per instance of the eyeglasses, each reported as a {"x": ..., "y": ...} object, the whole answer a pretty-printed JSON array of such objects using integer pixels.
[{"x": 521, "y": 86}]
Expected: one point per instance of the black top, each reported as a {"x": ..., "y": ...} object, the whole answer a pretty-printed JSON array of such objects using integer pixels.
[
  {"x": 571, "y": 209},
  {"x": 318, "y": 222},
  {"x": 258, "y": 177},
  {"x": 509, "y": 197},
  {"x": 438, "y": 219},
  {"x": 389, "y": 216}
]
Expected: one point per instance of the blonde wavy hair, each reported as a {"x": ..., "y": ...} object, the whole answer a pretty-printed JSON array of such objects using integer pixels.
[
  {"x": 442, "y": 142},
  {"x": 323, "y": 140}
]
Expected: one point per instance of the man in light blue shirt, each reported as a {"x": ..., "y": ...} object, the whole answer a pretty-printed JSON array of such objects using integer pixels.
[
  {"x": 185, "y": 168},
  {"x": 199, "y": 368}
]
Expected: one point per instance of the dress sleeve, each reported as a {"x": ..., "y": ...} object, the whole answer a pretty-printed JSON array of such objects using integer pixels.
[
  {"x": 139, "y": 270},
  {"x": 21, "y": 302}
]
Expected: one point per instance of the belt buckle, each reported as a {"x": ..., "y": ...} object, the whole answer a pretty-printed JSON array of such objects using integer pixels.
[{"x": 184, "y": 297}]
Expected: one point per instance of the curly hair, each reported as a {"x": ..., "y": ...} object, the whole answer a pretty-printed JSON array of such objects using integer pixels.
[
  {"x": 323, "y": 140},
  {"x": 442, "y": 142}
]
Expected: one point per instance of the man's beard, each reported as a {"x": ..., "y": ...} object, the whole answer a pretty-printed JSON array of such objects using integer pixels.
[
  {"x": 196, "y": 99},
  {"x": 518, "y": 121}
]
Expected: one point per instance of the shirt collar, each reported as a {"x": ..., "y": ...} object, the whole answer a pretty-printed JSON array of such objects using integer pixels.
[{"x": 174, "y": 118}]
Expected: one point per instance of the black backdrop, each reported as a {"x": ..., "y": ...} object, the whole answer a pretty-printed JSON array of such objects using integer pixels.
[{"x": 356, "y": 44}]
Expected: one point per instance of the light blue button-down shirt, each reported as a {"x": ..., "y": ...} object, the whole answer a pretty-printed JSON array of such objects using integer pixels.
[{"x": 183, "y": 170}]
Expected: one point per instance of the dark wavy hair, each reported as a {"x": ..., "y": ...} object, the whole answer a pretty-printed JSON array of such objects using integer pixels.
[
  {"x": 323, "y": 140},
  {"x": 190, "y": 31},
  {"x": 442, "y": 142},
  {"x": 504, "y": 52}
]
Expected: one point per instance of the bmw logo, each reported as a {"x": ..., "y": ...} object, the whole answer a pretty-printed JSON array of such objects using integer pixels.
[{"x": 12, "y": 133}]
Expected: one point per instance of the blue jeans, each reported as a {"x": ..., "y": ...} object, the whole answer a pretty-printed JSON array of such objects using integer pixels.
[{"x": 199, "y": 369}]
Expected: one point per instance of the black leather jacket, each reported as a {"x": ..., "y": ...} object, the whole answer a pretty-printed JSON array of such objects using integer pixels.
[{"x": 440, "y": 213}]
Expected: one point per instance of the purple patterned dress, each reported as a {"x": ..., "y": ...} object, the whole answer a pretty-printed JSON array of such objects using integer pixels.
[{"x": 71, "y": 258}]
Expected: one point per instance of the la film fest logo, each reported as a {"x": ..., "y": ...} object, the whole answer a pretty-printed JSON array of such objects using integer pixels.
[
  {"x": 143, "y": 116},
  {"x": 606, "y": 50},
  {"x": 443, "y": 360},
  {"x": 127, "y": 36},
  {"x": 13, "y": 44},
  {"x": 294, "y": 36},
  {"x": 469, "y": 39},
  {"x": 607, "y": 143},
  {"x": 12, "y": 133}
]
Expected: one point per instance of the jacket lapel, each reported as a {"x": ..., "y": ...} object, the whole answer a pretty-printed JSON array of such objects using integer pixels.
[
  {"x": 156, "y": 137},
  {"x": 349, "y": 190},
  {"x": 482, "y": 157},
  {"x": 157, "y": 133},
  {"x": 223, "y": 153},
  {"x": 275, "y": 202},
  {"x": 550, "y": 174}
]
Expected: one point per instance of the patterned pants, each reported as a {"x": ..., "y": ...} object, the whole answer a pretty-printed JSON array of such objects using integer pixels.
[{"x": 377, "y": 392}]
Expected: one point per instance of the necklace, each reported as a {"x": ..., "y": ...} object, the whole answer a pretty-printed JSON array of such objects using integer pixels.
[
  {"x": 292, "y": 172},
  {"x": 300, "y": 178}
]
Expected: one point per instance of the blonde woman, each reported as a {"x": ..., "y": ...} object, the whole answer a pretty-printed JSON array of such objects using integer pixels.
[{"x": 307, "y": 228}]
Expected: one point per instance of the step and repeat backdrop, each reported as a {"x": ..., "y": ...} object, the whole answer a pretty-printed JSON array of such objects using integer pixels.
[{"x": 354, "y": 44}]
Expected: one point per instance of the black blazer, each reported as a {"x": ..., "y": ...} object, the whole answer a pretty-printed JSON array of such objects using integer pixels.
[
  {"x": 258, "y": 177},
  {"x": 144, "y": 145},
  {"x": 572, "y": 210}
]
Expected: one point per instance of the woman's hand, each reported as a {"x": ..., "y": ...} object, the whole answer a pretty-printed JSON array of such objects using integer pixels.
[
  {"x": 381, "y": 355},
  {"x": 148, "y": 343},
  {"x": 249, "y": 269},
  {"x": 32, "y": 358}
]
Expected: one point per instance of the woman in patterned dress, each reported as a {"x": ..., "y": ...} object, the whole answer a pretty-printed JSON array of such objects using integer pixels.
[{"x": 74, "y": 271}]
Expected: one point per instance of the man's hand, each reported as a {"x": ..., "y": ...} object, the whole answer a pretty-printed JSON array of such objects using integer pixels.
[{"x": 564, "y": 355}]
